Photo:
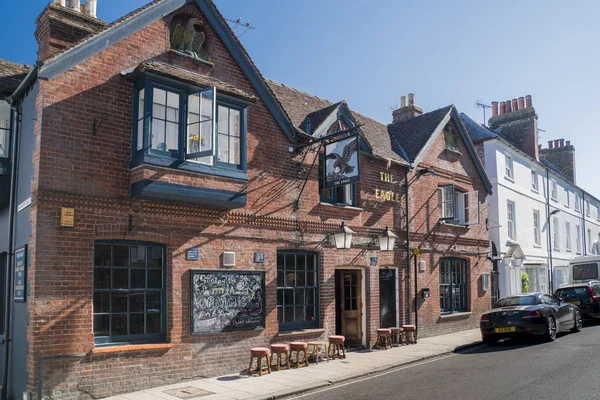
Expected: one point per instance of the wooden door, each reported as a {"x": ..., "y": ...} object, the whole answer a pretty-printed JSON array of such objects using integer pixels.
[{"x": 351, "y": 306}]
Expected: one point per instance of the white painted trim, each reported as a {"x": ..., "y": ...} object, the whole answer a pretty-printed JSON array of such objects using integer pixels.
[{"x": 363, "y": 306}]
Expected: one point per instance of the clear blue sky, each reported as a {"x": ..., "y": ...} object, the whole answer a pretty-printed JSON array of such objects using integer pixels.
[{"x": 369, "y": 53}]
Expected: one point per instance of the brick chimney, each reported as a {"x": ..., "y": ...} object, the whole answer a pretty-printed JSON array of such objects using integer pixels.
[
  {"x": 516, "y": 121},
  {"x": 561, "y": 155},
  {"x": 64, "y": 23},
  {"x": 405, "y": 111}
]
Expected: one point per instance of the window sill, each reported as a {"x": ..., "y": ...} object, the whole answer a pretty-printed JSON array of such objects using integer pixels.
[
  {"x": 508, "y": 178},
  {"x": 301, "y": 332},
  {"x": 537, "y": 246},
  {"x": 132, "y": 347},
  {"x": 446, "y": 223},
  {"x": 453, "y": 151},
  {"x": 341, "y": 206},
  {"x": 535, "y": 191},
  {"x": 461, "y": 314}
]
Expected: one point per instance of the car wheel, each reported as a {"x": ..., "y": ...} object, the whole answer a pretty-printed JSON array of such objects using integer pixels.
[
  {"x": 489, "y": 341},
  {"x": 578, "y": 325},
  {"x": 550, "y": 334}
]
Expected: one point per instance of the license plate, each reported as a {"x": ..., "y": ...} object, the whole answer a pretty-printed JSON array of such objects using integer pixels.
[
  {"x": 504, "y": 330},
  {"x": 576, "y": 303}
]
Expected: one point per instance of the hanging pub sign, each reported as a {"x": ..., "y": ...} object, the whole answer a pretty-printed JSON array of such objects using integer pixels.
[
  {"x": 20, "y": 279},
  {"x": 341, "y": 162},
  {"x": 226, "y": 301}
]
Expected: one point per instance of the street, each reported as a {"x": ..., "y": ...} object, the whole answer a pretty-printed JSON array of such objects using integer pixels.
[{"x": 525, "y": 369}]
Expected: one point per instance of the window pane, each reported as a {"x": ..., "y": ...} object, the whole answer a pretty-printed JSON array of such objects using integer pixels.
[
  {"x": 288, "y": 297},
  {"x": 153, "y": 323},
  {"x": 140, "y": 134},
  {"x": 119, "y": 325},
  {"x": 206, "y": 136},
  {"x": 121, "y": 254},
  {"x": 290, "y": 279},
  {"x": 138, "y": 256},
  {"x": 299, "y": 313},
  {"x": 155, "y": 255},
  {"x": 158, "y": 135},
  {"x": 310, "y": 313},
  {"x": 280, "y": 314},
  {"x": 141, "y": 95},
  {"x": 119, "y": 302},
  {"x": 101, "y": 302},
  {"x": 290, "y": 261},
  {"x": 193, "y": 138},
  {"x": 299, "y": 296},
  {"x": 153, "y": 302},
  {"x": 223, "y": 148},
  {"x": 223, "y": 121},
  {"x": 301, "y": 278},
  {"x": 234, "y": 122},
  {"x": 136, "y": 324},
  {"x": 120, "y": 278},
  {"x": 160, "y": 96},
  {"x": 154, "y": 279},
  {"x": 138, "y": 279},
  {"x": 136, "y": 302},
  {"x": 280, "y": 278},
  {"x": 193, "y": 108},
  {"x": 101, "y": 278},
  {"x": 172, "y": 136},
  {"x": 172, "y": 107},
  {"x": 234, "y": 150},
  {"x": 101, "y": 325},
  {"x": 279, "y": 297},
  {"x": 310, "y": 296},
  {"x": 288, "y": 314},
  {"x": 102, "y": 255},
  {"x": 206, "y": 105}
]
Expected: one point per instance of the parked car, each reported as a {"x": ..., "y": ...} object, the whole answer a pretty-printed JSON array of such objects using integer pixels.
[
  {"x": 585, "y": 295},
  {"x": 537, "y": 314}
]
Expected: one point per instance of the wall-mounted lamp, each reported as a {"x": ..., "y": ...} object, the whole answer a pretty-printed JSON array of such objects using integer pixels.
[
  {"x": 425, "y": 171},
  {"x": 343, "y": 237},
  {"x": 387, "y": 240}
]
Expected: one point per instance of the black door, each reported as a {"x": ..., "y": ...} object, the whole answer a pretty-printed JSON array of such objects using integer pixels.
[{"x": 387, "y": 298}]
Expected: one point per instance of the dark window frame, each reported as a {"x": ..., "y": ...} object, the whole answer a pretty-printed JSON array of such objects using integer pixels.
[
  {"x": 167, "y": 159},
  {"x": 290, "y": 326},
  {"x": 132, "y": 338},
  {"x": 335, "y": 194},
  {"x": 451, "y": 286}
]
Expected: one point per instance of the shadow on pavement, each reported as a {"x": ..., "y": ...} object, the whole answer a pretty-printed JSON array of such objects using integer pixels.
[{"x": 505, "y": 345}]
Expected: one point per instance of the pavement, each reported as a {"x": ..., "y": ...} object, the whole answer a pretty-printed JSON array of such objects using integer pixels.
[{"x": 280, "y": 384}]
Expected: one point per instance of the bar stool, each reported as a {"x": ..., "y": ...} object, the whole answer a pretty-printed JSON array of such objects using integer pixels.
[
  {"x": 316, "y": 348},
  {"x": 384, "y": 338},
  {"x": 336, "y": 347},
  {"x": 259, "y": 353},
  {"x": 279, "y": 350},
  {"x": 299, "y": 348},
  {"x": 397, "y": 336},
  {"x": 410, "y": 334}
]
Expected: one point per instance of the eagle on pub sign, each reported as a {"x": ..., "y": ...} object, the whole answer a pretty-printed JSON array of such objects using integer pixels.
[{"x": 341, "y": 162}]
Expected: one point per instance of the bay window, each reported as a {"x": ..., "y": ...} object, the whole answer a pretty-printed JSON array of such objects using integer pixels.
[
  {"x": 4, "y": 128},
  {"x": 457, "y": 207},
  {"x": 181, "y": 126}
]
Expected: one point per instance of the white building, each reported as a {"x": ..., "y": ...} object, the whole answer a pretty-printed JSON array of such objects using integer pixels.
[{"x": 538, "y": 217}]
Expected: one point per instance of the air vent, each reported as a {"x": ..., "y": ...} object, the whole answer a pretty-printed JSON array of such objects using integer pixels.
[{"x": 228, "y": 259}]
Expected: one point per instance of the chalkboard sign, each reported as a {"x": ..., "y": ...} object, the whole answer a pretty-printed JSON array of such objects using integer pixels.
[
  {"x": 225, "y": 301},
  {"x": 20, "y": 280}
]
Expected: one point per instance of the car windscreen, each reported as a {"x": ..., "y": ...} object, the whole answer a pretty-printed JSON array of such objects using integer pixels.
[
  {"x": 516, "y": 301},
  {"x": 585, "y": 272},
  {"x": 573, "y": 293}
]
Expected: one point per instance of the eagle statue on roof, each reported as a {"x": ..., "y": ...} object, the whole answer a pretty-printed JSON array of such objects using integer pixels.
[
  {"x": 342, "y": 166},
  {"x": 189, "y": 39}
]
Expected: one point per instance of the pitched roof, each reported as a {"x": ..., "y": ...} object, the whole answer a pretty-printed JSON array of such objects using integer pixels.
[
  {"x": 184, "y": 75},
  {"x": 298, "y": 105},
  {"x": 476, "y": 130},
  {"x": 11, "y": 75},
  {"x": 413, "y": 134}
]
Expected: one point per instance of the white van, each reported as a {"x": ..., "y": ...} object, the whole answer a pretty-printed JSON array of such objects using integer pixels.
[{"x": 584, "y": 268}]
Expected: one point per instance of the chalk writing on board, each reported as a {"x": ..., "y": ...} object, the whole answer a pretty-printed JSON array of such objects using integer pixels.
[
  {"x": 386, "y": 274},
  {"x": 227, "y": 301}
]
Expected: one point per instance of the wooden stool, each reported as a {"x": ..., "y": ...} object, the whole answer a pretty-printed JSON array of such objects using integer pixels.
[
  {"x": 299, "y": 348},
  {"x": 384, "y": 338},
  {"x": 397, "y": 336},
  {"x": 278, "y": 350},
  {"x": 259, "y": 353},
  {"x": 336, "y": 347},
  {"x": 410, "y": 334},
  {"x": 315, "y": 350}
]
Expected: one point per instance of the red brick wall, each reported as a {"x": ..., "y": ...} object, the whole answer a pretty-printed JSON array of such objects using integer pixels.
[{"x": 76, "y": 168}]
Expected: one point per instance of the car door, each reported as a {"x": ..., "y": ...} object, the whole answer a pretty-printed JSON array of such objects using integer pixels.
[{"x": 561, "y": 312}]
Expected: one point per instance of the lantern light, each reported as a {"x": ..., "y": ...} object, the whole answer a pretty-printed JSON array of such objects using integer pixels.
[
  {"x": 387, "y": 240},
  {"x": 343, "y": 237}
]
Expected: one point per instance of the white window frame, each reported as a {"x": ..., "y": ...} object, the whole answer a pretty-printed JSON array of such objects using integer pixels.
[
  {"x": 555, "y": 234},
  {"x": 535, "y": 181},
  {"x": 568, "y": 235},
  {"x": 461, "y": 204},
  {"x": 553, "y": 190},
  {"x": 597, "y": 212},
  {"x": 577, "y": 202},
  {"x": 578, "y": 238},
  {"x": 587, "y": 208},
  {"x": 588, "y": 250},
  {"x": 568, "y": 203},
  {"x": 509, "y": 171},
  {"x": 537, "y": 235},
  {"x": 511, "y": 220}
]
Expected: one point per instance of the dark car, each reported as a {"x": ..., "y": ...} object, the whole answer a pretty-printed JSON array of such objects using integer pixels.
[
  {"x": 585, "y": 295},
  {"x": 537, "y": 314}
]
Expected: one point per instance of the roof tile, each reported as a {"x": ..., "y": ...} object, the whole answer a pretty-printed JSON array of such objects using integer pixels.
[{"x": 11, "y": 75}]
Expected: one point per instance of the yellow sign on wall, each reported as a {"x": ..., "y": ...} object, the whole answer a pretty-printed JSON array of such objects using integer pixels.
[
  {"x": 387, "y": 195},
  {"x": 67, "y": 217}
]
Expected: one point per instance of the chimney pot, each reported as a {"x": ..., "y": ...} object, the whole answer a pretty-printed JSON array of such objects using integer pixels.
[
  {"x": 521, "y": 103},
  {"x": 508, "y": 107},
  {"x": 90, "y": 7},
  {"x": 539, "y": 146},
  {"x": 562, "y": 142},
  {"x": 60, "y": 2},
  {"x": 528, "y": 102},
  {"x": 502, "y": 109},
  {"x": 514, "y": 105},
  {"x": 550, "y": 142},
  {"x": 494, "y": 108},
  {"x": 411, "y": 99},
  {"x": 402, "y": 101},
  {"x": 568, "y": 142},
  {"x": 74, "y": 5},
  {"x": 556, "y": 143}
]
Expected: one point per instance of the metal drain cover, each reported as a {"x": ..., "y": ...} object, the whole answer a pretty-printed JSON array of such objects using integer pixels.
[{"x": 188, "y": 392}]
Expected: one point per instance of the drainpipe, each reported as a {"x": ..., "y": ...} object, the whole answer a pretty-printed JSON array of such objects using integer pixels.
[
  {"x": 583, "y": 210},
  {"x": 407, "y": 316},
  {"x": 15, "y": 133},
  {"x": 549, "y": 241}
]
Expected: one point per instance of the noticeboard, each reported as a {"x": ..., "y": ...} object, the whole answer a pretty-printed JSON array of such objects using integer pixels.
[
  {"x": 20, "y": 278},
  {"x": 226, "y": 301}
]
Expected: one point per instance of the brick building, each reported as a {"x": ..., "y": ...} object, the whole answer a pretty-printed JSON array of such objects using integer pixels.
[{"x": 169, "y": 209}]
